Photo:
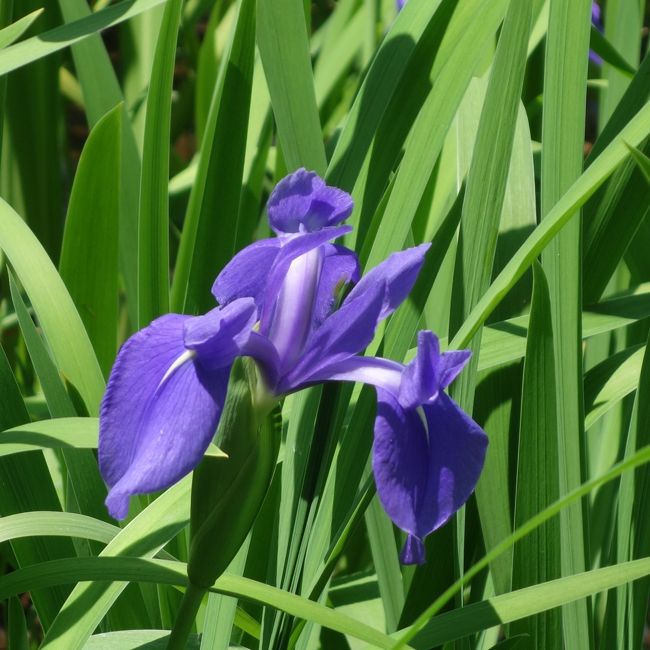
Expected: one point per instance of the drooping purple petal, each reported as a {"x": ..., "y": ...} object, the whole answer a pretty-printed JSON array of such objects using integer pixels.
[
  {"x": 247, "y": 273},
  {"x": 340, "y": 267},
  {"x": 164, "y": 399},
  {"x": 345, "y": 333},
  {"x": 425, "y": 467},
  {"x": 303, "y": 202},
  {"x": 218, "y": 336},
  {"x": 175, "y": 431},
  {"x": 398, "y": 272},
  {"x": 430, "y": 371}
]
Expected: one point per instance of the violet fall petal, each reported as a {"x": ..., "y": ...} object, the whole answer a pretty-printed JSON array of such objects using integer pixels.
[
  {"x": 424, "y": 474},
  {"x": 164, "y": 399},
  {"x": 218, "y": 336}
]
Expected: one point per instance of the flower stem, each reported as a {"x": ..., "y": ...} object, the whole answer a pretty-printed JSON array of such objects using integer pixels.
[{"x": 185, "y": 617}]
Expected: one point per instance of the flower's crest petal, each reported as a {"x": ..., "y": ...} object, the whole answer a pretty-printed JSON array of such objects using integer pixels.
[
  {"x": 303, "y": 202},
  {"x": 398, "y": 272},
  {"x": 292, "y": 248},
  {"x": 424, "y": 475},
  {"x": 420, "y": 381},
  {"x": 340, "y": 267},
  {"x": 345, "y": 333},
  {"x": 247, "y": 273},
  {"x": 218, "y": 336}
]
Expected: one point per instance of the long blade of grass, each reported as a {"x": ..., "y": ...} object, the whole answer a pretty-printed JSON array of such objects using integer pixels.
[
  {"x": 284, "y": 49},
  {"x": 210, "y": 232},
  {"x": 153, "y": 221},
  {"x": 89, "y": 256},
  {"x": 565, "y": 78},
  {"x": 538, "y": 480},
  {"x": 62, "y": 326},
  {"x": 633, "y": 133}
]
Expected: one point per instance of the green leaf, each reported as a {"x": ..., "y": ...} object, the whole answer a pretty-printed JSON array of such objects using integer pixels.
[
  {"x": 537, "y": 479},
  {"x": 284, "y": 49},
  {"x": 607, "y": 383},
  {"x": 563, "y": 127},
  {"x": 55, "y": 524},
  {"x": 17, "y": 628},
  {"x": 89, "y": 256},
  {"x": 526, "y": 602},
  {"x": 136, "y": 640},
  {"x": 27, "y": 486},
  {"x": 37, "y": 47},
  {"x": 143, "y": 537},
  {"x": 136, "y": 569},
  {"x": 635, "y": 131},
  {"x": 62, "y": 326},
  {"x": 642, "y": 161},
  {"x": 61, "y": 432},
  {"x": 210, "y": 232},
  {"x": 13, "y": 32},
  {"x": 153, "y": 222},
  {"x": 635, "y": 460}
]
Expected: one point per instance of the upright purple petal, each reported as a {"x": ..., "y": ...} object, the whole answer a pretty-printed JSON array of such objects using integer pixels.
[
  {"x": 303, "y": 202},
  {"x": 398, "y": 273},
  {"x": 247, "y": 273},
  {"x": 340, "y": 267},
  {"x": 425, "y": 467},
  {"x": 293, "y": 247}
]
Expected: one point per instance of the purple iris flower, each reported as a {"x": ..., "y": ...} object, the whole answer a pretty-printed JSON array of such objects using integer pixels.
[
  {"x": 279, "y": 303},
  {"x": 400, "y": 4}
]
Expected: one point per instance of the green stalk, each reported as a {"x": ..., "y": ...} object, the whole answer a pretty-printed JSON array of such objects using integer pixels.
[{"x": 186, "y": 617}]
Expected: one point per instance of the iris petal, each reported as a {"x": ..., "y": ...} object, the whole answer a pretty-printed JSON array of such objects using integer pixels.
[
  {"x": 340, "y": 267},
  {"x": 398, "y": 273},
  {"x": 345, "y": 333},
  {"x": 292, "y": 248},
  {"x": 164, "y": 399},
  {"x": 247, "y": 273},
  {"x": 303, "y": 202},
  {"x": 424, "y": 474}
]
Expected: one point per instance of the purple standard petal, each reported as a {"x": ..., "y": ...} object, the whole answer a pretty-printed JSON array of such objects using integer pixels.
[
  {"x": 303, "y": 202},
  {"x": 426, "y": 464},
  {"x": 247, "y": 273},
  {"x": 430, "y": 371},
  {"x": 398, "y": 272},
  {"x": 345, "y": 333}
]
